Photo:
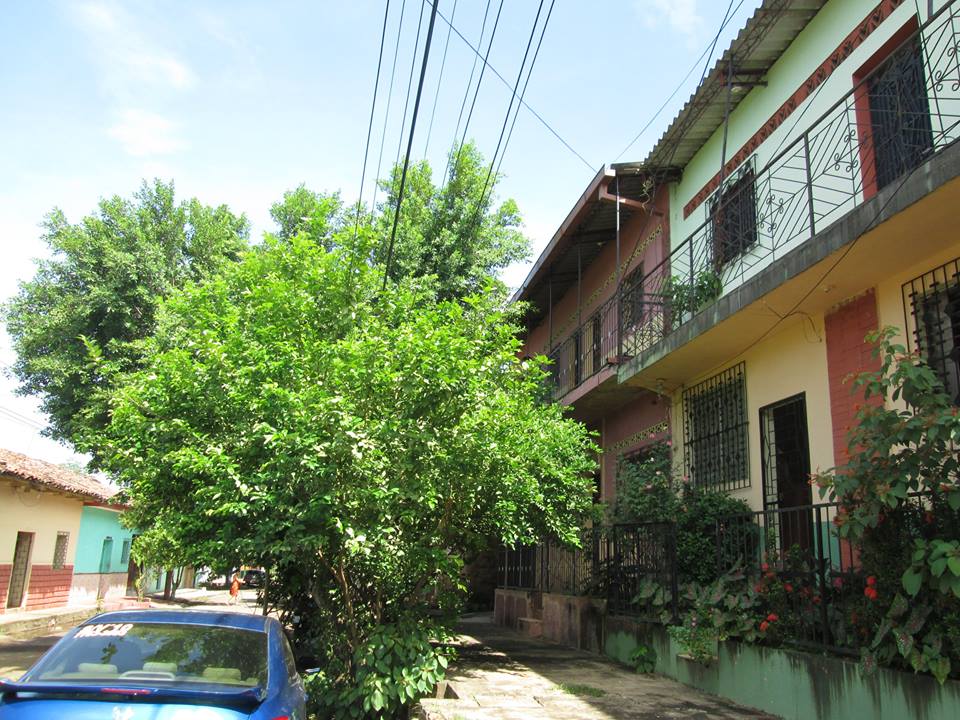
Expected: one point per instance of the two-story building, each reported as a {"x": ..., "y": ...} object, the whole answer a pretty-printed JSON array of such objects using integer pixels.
[{"x": 720, "y": 290}]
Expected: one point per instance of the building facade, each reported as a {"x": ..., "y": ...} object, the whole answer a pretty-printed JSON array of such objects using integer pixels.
[
  {"x": 41, "y": 509},
  {"x": 801, "y": 199},
  {"x": 103, "y": 569}
]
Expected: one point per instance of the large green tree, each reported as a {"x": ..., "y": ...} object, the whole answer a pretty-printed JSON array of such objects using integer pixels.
[
  {"x": 358, "y": 442},
  {"x": 79, "y": 320},
  {"x": 454, "y": 231}
]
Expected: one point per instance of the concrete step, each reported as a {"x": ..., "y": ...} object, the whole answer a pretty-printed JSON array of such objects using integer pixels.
[{"x": 531, "y": 627}]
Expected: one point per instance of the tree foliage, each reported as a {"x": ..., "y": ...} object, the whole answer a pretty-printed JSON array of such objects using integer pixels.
[
  {"x": 356, "y": 442},
  {"x": 302, "y": 210},
  {"x": 453, "y": 232},
  {"x": 80, "y": 318}
]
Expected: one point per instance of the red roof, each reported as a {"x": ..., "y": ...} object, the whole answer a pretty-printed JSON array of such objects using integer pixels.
[{"x": 53, "y": 477}]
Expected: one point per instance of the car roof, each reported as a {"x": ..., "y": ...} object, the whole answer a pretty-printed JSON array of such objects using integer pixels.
[{"x": 215, "y": 618}]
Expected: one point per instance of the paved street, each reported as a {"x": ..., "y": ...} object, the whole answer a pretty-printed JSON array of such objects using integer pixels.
[
  {"x": 503, "y": 675},
  {"x": 17, "y": 653}
]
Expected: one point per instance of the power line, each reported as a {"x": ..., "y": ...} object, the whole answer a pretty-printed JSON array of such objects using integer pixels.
[
  {"x": 516, "y": 86},
  {"x": 413, "y": 65},
  {"x": 696, "y": 63},
  {"x": 373, "y": 107},
  {"x": 16, "y": 417},
  {"x": 525, "y": 104},
  {"x": 386, "y": 116},
  {"x": 476, "y": 92},
  {"x": 526, "y": 83},
  {"x": 413, "y": 126},
  {"x": 466, "y": 91},
  {"x": 443, "y": 64}
]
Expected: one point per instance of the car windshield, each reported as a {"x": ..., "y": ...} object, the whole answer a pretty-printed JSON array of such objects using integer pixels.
[{"x": 158, "y": 653}]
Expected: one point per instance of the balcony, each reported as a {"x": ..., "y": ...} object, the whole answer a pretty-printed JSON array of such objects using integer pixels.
[{"x": 865, "y": 147}]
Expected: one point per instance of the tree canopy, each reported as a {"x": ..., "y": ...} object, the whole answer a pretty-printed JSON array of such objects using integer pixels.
[
  {"x": 358, "y": 442},
  {"x": 453, "y": 231},
  {"x": 78, "y": 321}
]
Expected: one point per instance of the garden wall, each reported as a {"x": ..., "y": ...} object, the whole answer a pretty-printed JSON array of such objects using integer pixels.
[{"x": 794, "y": 685}]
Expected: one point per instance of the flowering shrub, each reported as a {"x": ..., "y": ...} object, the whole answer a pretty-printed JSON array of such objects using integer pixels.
[{"x": 900, "y": 505}]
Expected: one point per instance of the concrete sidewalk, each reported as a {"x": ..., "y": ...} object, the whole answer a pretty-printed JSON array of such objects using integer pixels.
[{"x": 503, "y": 675}]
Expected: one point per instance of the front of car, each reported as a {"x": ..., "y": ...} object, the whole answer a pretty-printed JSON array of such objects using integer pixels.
[{"x": 161, "y": 665}]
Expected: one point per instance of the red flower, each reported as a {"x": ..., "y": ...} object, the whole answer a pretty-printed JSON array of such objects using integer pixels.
[
  {"x": 758, "y": 587},
  {"x": 871, "y": 581},
  {"x": 764, "y": 567},
  {"x": 838, "y": 583},
  {"x": 870, "y": 592},
  {"x": 772, "y": 617},
  {"x": 788, "y": 587},
  {"x": 764, "y": 625}
]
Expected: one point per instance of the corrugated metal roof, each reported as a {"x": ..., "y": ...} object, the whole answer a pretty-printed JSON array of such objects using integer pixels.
[
  {"x": 761, "y": 42},
  {"x": 54, "y": 477}
]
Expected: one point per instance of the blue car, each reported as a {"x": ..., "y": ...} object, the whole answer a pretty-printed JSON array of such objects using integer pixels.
[{"x": 162, "y": 665}]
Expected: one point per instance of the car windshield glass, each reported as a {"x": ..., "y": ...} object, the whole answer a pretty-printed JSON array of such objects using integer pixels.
[{"x": 158, "y": 653}]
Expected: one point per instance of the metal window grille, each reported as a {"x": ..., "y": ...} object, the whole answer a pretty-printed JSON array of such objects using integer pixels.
[
  {"x": 631, "y": 299},
  {"x": 733, "y": 216},
  {"x": 715, "y": 431},
  {"x": 932, "y": 307},
  {"x": 899, "y": 113},
  {"x": 60, "y": 550}
]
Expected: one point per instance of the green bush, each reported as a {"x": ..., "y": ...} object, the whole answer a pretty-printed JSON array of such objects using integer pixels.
[{"x": 647, "y": 491}]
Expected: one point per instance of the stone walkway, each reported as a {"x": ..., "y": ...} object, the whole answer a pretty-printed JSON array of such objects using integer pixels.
[{"x": 503, "y": 675}]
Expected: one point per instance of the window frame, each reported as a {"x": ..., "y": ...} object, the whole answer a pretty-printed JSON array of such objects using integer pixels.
[
  {"x": 706, "y": 406},
  {"x": 60, "y": 551},
  {"x": 727, "y": 201}
]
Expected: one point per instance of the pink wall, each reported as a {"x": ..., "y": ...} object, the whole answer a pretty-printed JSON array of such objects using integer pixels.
[
  {"x": 644, "y": 421},
  {"x": 640, "y": 227}
]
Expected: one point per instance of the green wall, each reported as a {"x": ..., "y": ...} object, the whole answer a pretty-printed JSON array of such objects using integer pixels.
[
  {"x": 96, "y": 524},
  {"x": 794, "y": 685}
]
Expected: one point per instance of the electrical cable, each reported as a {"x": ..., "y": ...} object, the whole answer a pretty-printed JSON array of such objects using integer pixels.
[
  {"x": 526, "y": 82},
  {"x": 386, "y": 116},
  {"x": 525, "y": 104},
  {"x": 679, "y": 86},
  {"x": 413, "y": 126},
  {"x": 373, "y": 108},
  {"x": 413, "y": 66},
  {"x": 506, "y": 119},
  {"x": 466, "y": 92},
  {"x": 436, "y": 98},
  {"x": 476, "y": 92}
]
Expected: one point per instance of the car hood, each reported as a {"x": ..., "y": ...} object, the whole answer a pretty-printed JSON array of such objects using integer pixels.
[{"x": 52, "y": 709}]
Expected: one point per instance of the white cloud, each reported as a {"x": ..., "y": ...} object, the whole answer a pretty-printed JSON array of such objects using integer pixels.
[
  {"x": 682, "y": 16},
  {"x": 144, "y": 133},
  {"x": 130, "y": 57}
]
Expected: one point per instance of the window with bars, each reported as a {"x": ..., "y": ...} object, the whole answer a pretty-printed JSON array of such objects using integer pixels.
[
  {"x": 899, "y": 113},
  {"x": 933, "y": 302},
  {"x": 733, "y": 217},
  {"x": 60, "y": 550},
  {"x": 631, "y": 299},
  {"x": 715, "y": 431}
]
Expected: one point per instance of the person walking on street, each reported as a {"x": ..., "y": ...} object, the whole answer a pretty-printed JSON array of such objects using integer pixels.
[{"x": 234, "y": 590}]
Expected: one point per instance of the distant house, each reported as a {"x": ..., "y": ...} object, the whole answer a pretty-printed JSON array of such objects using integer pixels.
[
  {"x": 41, "y": 514},
  {"x": 104, "y": 568}
]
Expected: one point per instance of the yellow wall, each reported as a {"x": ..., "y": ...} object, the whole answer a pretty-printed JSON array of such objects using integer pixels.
[
  {"x": 42, "y": 513},
  {"x": 790, "y": 362}
]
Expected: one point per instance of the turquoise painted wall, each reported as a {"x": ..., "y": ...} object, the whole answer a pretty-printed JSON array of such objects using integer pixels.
[
  {"x": 793, "y": 685},
  {"x": 96, "y": 524}
]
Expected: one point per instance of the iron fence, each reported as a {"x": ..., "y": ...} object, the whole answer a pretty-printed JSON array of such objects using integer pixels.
[
  {"x": 591, "y": 347},
  {"x": 611, "y": 563},
  {"x": 902, "y": 113},
  {"x": 797, "y": 557}
]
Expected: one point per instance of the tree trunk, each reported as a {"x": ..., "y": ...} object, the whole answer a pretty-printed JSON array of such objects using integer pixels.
[{"x": 167, "y": 584}]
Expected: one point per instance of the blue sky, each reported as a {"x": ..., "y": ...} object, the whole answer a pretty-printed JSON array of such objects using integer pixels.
[{"x": 238, "y": 101}]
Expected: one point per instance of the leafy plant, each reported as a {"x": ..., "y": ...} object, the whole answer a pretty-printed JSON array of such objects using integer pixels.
[
  {"x": 686, "y": 295},
  {"x": 644, "y": 659}
]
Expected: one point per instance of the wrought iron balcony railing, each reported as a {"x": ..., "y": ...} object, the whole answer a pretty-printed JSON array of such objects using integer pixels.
[
  {"x": 906, "y": 110},
  {"x": 591, "y": 347}
]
